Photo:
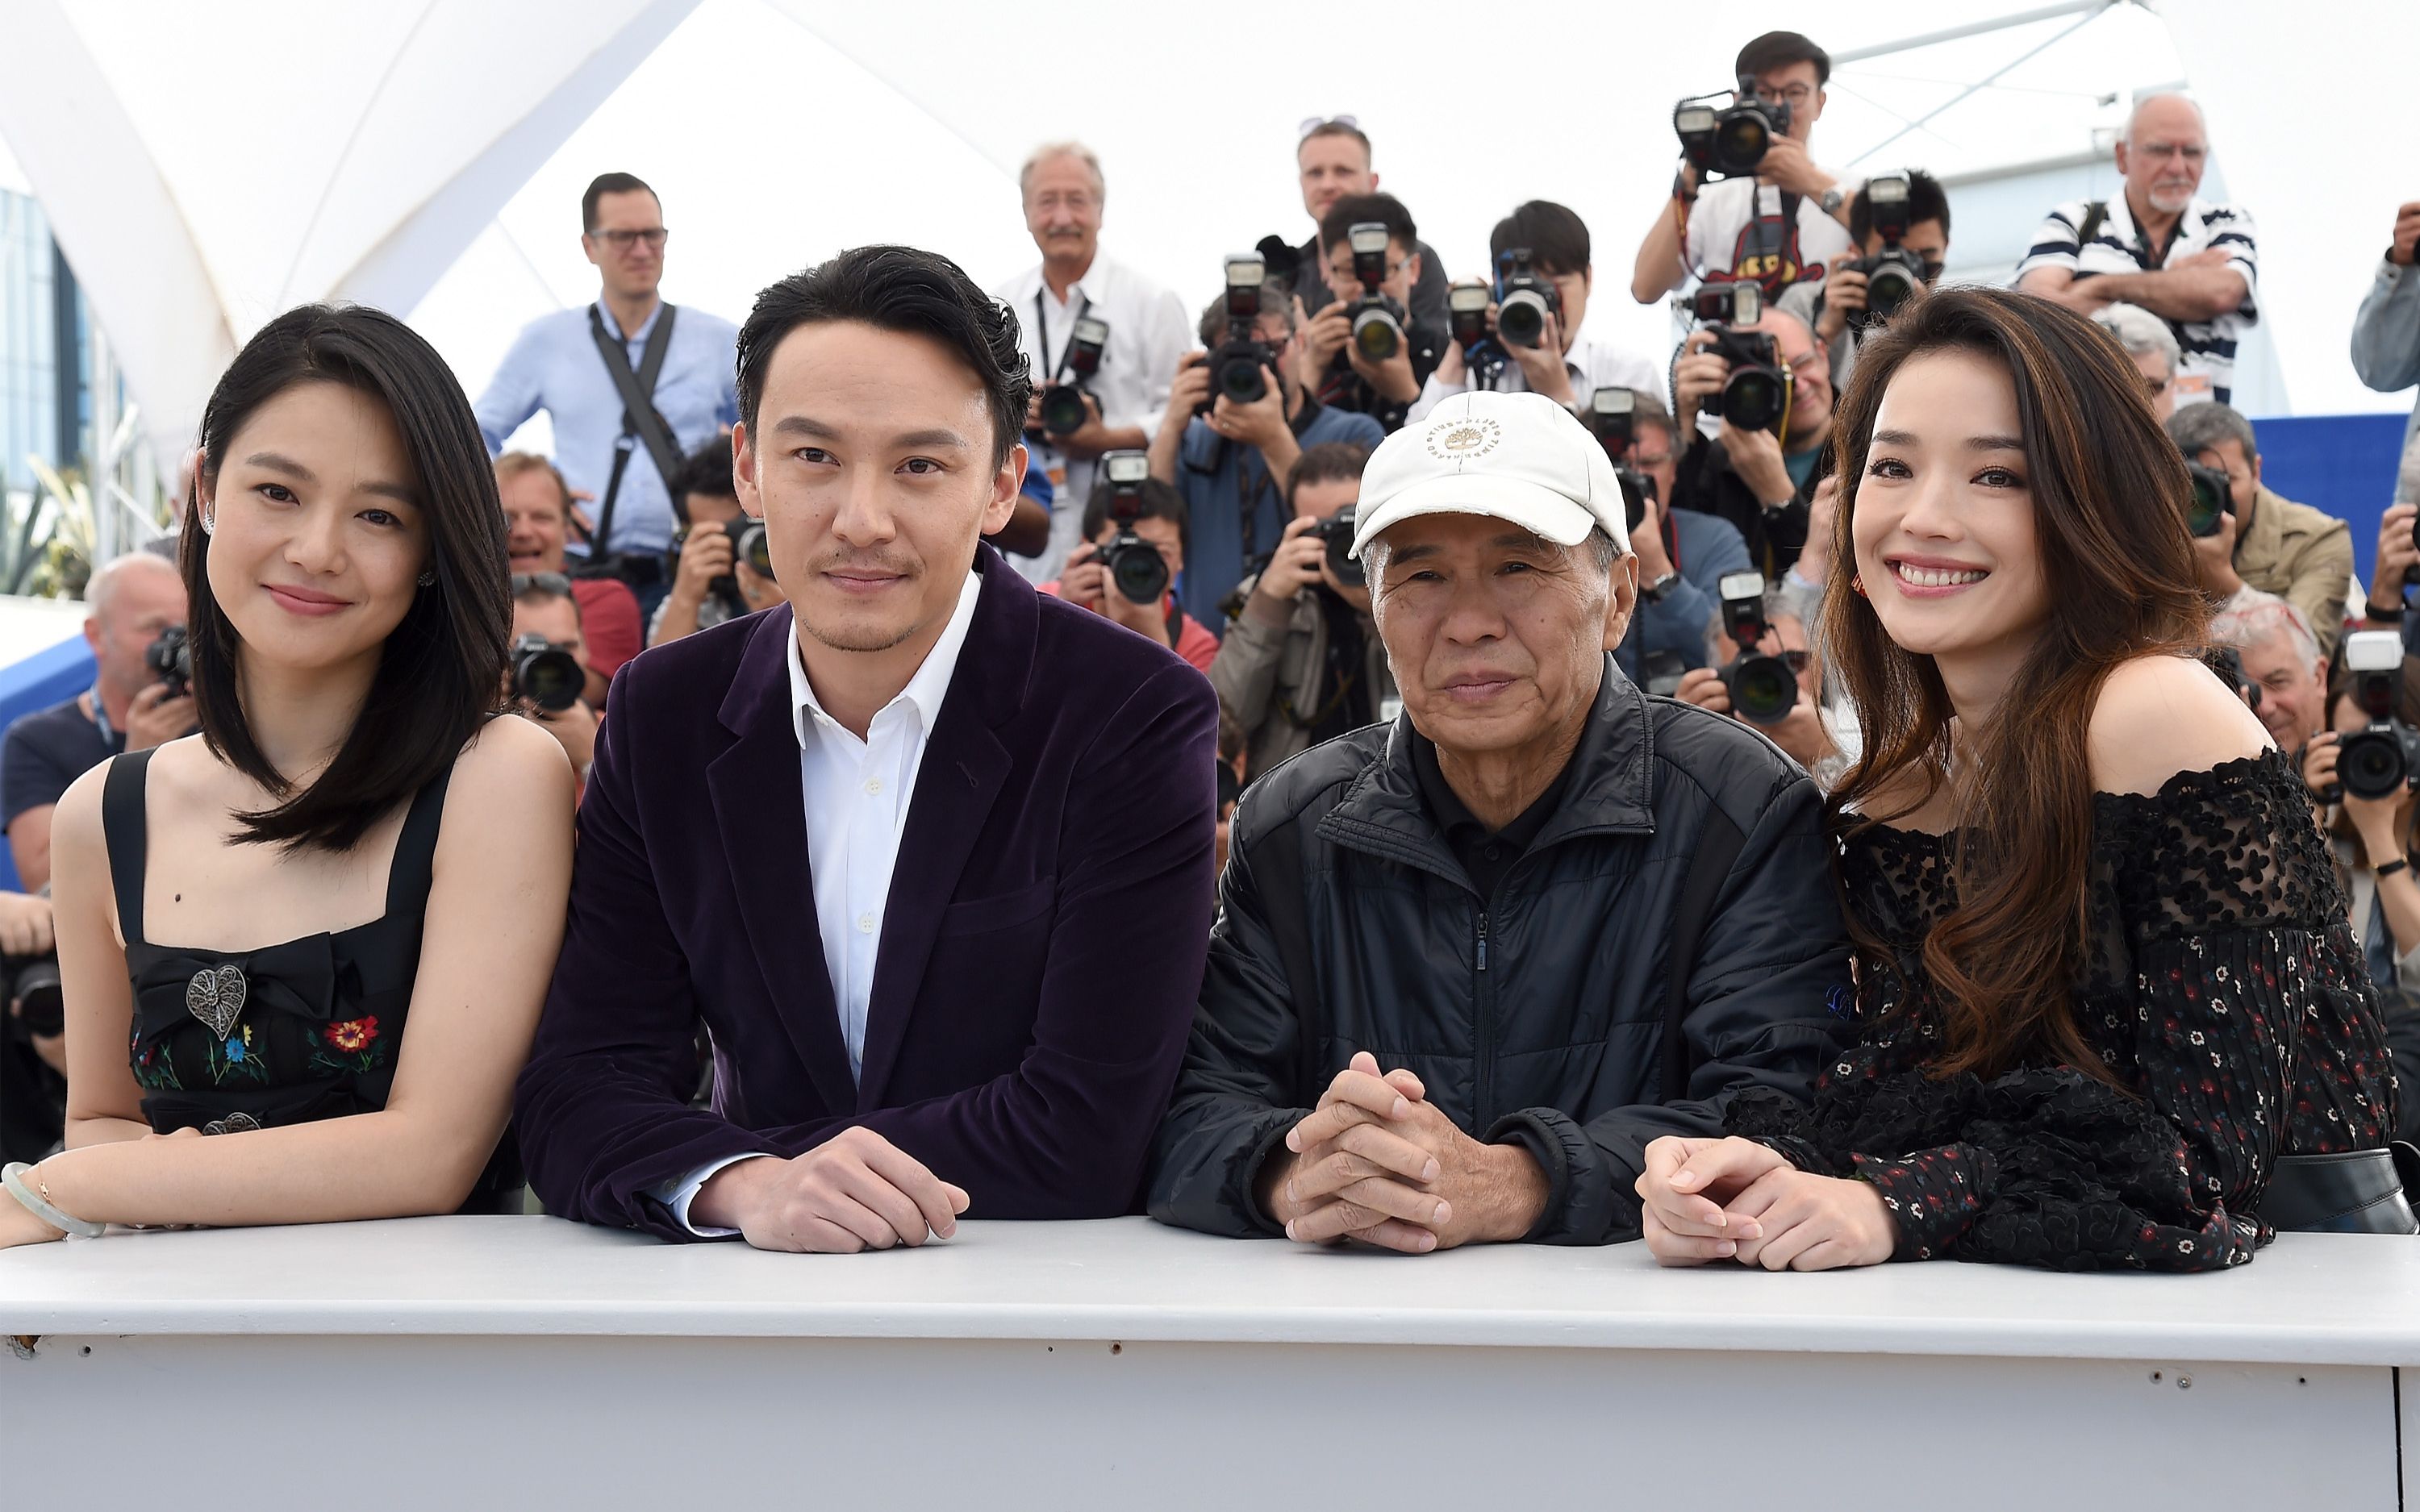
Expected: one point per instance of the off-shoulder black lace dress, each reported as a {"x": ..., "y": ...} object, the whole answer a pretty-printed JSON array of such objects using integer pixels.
[{"x": 2225, "y": 991}]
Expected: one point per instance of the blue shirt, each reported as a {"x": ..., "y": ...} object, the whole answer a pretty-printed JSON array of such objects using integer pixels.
[
  {"x": 554, "y": 366},
  {"x": 1226, "y": 485},
  {"x": 1707, "y": 547}
]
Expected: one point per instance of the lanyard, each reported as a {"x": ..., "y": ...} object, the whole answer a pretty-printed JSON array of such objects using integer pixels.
[
  {"x": 1042, "y": 331},
  {"x": 101, "y": 716}
]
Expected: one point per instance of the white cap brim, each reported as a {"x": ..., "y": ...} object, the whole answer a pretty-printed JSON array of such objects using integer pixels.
[{"x": 1541, "y": 511}]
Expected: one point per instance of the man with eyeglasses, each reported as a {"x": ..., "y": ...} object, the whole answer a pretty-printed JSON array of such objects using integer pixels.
[
  {"x": 676, "y": 362},
  {"x": 1332, "y": 160},
  {"x": 2193, "y": 262},
  {"x": 1761, "y": 481},
  {"x": 1335, "y": 364},
  {"x": 1783, "y": 225}
]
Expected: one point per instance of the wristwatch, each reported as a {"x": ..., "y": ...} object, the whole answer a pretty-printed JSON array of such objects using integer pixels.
[
  {"x": 1831, "y": 200},
  {"x": 1653, "y": 592}
]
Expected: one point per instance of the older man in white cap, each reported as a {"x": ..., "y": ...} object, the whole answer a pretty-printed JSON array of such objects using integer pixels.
[{"x": 1468, "y": 963}]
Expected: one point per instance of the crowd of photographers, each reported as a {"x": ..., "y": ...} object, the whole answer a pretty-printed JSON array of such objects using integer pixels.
[{"x": 1196, "y": 479}]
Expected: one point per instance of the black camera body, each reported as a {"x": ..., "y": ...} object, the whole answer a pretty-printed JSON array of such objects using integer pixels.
[
  {"x": 1729, "y": 142},
  {"x": 1135, "y": 566},
  {"x": 1756, "y": 393},
  {"x": 1610, "y": 413},
  {"x": 1062, "y": 402},
  {"x": 33, "y": 982},
  {"x": 546, "y": 674},
  {"x": 1238, "y": 368},
  {"x": 2383, "y": 761},
  {"x": 1524, "y": 301},
  {"x": 171, "y": 660},
  {"x": 1763, "y": 688},
  {"x": 749, "y": 544},
  {"x": 1378, "y": 319},
  {"x": 1337, "y": 532},
  {"x": 1893, "y": 275}
]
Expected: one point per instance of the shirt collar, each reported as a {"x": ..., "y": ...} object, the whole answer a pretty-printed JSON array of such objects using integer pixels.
[
  {"x": 646, "y": 327},
  {"x": 924, "y": 691},
  {"x": 1453, "y": 817}
]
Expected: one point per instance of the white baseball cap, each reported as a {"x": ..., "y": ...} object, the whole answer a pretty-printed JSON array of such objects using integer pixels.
[{"x": 1520, "y": 457}]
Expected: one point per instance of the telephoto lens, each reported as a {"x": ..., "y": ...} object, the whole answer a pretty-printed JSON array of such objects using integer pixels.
[
  {"x": 1890, "y": 282},
  {"x": 546, "y": 674},
  {"x": 1763, "y": 688},
  {"x": 755, "y": 548},
  {"x": 1528, "y": 300},
  {"x": 2212, "y": 500},
  {"x": 1136, "y": 567},
  {"x": 1063, "y": 410},
  {"x": 1337, "y": 530},
  {"x": 1377, "y": 320}
]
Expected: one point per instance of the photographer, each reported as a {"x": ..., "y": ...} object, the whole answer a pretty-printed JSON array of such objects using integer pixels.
[
  {"x": 2386, "y": 330},
  {"x": 1682, "y": 555},
  {"x": 133, "y": 705},
  {"x": 1565, "y": 363},
  {"x": 1160, "y": 526},
  {"x": 1225, "y": 456},
  {"x": 546, "y": 609},
  {"x": 710, "y": 582},
  {"x": 1334, "y": 365},
  {"x": 1064, "y": 195},
  {"x": 537, "y": 510},
  {"x": 1759, "y": 481},
  {"x": 33, "y": 1034},
  {"x": 2302, "y": 555},
  {"x": 2150, "y": 345},
  {"x": 1302, "y": 662},
  {"x": 1776, "y": 229},
  {"x": 2192, "y": 263},
  {"x": 2398, "y": 553},
  {"x": 2372, "y": 836},
  {"x": 1332, "y": 161},
  {"x": 1836, "y": 305},
  {"x": 1802, "y": 733}
]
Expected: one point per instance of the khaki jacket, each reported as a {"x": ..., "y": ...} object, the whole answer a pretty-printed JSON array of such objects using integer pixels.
[
  {"x": 2301, "y": 555},
  {"x": 1262, "y": 672}
]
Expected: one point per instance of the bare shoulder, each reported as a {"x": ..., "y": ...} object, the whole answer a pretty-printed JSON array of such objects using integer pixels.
[
  {"x": 75, "y": 823},
  {"x": 512, "y": 776},
  {"x": 2158, "y": 715}
]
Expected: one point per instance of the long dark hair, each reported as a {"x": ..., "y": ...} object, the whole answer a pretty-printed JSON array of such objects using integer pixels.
[
  {"x": 2109, "y": 495},
  {"x": 442, "y": 671}
]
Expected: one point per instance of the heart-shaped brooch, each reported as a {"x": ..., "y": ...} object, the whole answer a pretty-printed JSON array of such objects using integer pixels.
[{"x": 215, "y": 996}]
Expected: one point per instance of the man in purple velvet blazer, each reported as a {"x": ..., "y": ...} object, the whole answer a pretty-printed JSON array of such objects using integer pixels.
[{"x": 928, "y": 855}]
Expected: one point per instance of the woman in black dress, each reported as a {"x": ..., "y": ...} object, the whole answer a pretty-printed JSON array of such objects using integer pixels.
[
  {"x": 324, "y": 926},
  {"x": 2105, "y": 977}
]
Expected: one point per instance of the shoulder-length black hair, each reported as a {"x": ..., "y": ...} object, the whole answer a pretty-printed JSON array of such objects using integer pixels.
[{"x": 442, "y": 672}]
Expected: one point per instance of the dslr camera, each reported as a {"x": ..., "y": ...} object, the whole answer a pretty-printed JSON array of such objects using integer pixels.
[
  {"x": 1893, "y": 275},
  {"x": 1763, "y": 687},
  {"x": 749, "y": 544},
  {"x": 1729, "y": 142},
  {"x": 2212, "y": 499},
  {"x": 2383, "y": 760},
  {"x": 1756, "y": 394},
  {"x": 1377, "y": 320},
  {"x": 1062, "y": 403},
  {"x": 1337, "y": 530},
  {"x": 171, "y": 660},
  {"x": 1609, "y": 416},
  {"x": 1134, "y": 565},
  {"x": 1236, "y": 369},
  {"x": 1524, "y": 301},
  {"x": 546, "y": 674}
]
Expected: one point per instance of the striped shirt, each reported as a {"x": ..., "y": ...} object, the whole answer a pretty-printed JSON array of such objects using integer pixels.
[{"x": 2208, "y": 347}]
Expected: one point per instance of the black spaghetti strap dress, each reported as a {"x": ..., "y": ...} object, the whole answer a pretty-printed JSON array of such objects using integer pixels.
[{"x": 225, "y": 1042}]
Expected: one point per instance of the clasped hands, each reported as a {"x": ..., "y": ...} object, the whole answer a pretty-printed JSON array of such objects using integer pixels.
[
  {"x": 1376, "y": 1164},
  {"x": 1735, "y": 1199}
]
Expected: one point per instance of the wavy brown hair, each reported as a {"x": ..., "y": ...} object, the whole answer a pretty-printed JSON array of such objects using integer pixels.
[{"x": 2109, "y": 495}]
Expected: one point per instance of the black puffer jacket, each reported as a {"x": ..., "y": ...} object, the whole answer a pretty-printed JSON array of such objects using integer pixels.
[{"x": 1535, "y": 1016}]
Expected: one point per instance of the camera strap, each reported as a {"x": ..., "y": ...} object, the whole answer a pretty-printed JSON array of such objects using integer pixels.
[
  {"x": 639, "y": 417},
  {"x": 1042, "y": 332}
]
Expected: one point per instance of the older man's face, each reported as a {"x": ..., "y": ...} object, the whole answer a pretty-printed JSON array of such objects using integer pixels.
[
  {"x": 2294, "y": 692},
  {"x": 1496, "y": 638}
]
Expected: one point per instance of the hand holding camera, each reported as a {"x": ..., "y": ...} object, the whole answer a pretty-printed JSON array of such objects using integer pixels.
[
  {"x": 2381, "y": 763},
  {"x": 1292, "y": 567},
  {"x": 2405, "y": 246},
  {"x": 704, "y": 568},
  {"x": 2398, "y": 560}
]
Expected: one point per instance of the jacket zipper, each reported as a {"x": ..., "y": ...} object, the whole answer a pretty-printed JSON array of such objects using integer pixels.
[{"x": 1483, "y": 1019}]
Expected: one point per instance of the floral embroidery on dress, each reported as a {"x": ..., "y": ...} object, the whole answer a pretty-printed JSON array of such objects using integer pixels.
[
  {"x": 357, "y": 1045},
  {"x": 236, "y": 1058}
]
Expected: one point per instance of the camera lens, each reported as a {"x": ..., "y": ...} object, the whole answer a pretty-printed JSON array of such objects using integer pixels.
[
  {"x": 1139, "y": 570},
  {"x": 2209, "y": 500},
  {"x": 1887, "y": 288},
  {"x": 1740, "y": 143},
  {"x": 1338, "y": 531},
  {"x": 1241, "y": 378},
  {"x": 548, "y": 677},
  {"x": 1063, "y": 410},
  {"x": 1522, "y": 318},
  {"x": 1764, "y": 689},
  {"x": 1753, "y": 399},
  {"x": 755, "y": 548},
  {"x": 42, "y": 1007},
  {"x": 2370, "y": 765},
  {"x": 1375, "y": 334}
]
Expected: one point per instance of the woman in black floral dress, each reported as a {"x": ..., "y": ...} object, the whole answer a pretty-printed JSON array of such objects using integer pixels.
[{"x": 2105, "y": 975}]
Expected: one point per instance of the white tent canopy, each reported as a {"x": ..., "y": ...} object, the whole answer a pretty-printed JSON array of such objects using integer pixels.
[{"x": 206, "y": 166}]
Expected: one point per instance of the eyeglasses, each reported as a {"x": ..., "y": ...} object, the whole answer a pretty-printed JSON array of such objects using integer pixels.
[
  {"x": 1312, "y": 123},
  {"x": 543, "y": 582},
  {"x": 1806, "y": 361},
  {"x": 624, "y": 241},
  {"x": 1796, "y": 96},
  {"x": 1642, "y": 460}
]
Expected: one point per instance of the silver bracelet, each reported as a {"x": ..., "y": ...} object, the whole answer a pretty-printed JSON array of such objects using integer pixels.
[{"x": 39, "y": 1205}]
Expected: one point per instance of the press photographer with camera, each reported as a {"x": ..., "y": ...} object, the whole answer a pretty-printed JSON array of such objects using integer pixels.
[
  {"x": 2361, "y": 770},
  {"x": 548, "y": 664},
  {"x": 1100, "y": 340},
  {"x": 1760, "y": 371},
  {"x": 2301, "y": 554},
  {"x": 1899, "y": 225},
  {"x": 1132, "y": 552},
  {"x": 1683, "y": 555},
  {"x": 141, "y": 696},
  {"x": 2398, "y": 553},
  {"x": 1302, "y": 662},
  {"x": 1238, "y": 418},
  {"x": 2193, "y": 262},
  {"x": 1772, "y": 681},
  {"x": 722, "y": 567},
  {"x": 1529, "y": 331},
  {"x": 630, "y": 384},
  {"x": 1365, "y": 351},
  {"x": 2152, "y": 347},
  {"x": 33, "y": 1031},
  {"x": 2386, "y": 329},
  {"x": 538, "y": 513},
  {"x": 1332, "y": 163},
  {"x": 1772, "y": 216}
]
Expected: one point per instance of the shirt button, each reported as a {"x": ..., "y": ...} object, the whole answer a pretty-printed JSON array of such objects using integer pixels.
[
  {"x": 874, "y": 787},
  {"x": 1496, "y": 853},
  {"x": 866, "y": 923}
]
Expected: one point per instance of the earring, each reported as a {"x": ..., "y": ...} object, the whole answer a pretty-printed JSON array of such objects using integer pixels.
[
  {"x": 428, "y": 579},
  {"x": 1857, "y": 585},
  {"x": 204, "y": 516}
]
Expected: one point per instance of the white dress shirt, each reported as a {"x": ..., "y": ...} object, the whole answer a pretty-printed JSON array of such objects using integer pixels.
[
  {"x": 1593, "y": 364},
  {"x": 857, "y": 795},
  {"x": 1148, "y": 331}
]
